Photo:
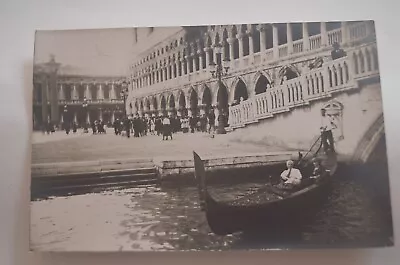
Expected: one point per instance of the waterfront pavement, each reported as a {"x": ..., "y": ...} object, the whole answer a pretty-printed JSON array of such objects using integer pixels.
[{"x": 59, "y": 148}]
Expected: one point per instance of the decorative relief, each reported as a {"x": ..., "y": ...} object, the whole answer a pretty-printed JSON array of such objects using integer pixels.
[{"x": 334, "y": 110}]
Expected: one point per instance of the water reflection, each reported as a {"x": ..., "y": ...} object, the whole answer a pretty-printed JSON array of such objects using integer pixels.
[
  {"x": 353, "y": 215},
  {"x": 357, "y": 213}
]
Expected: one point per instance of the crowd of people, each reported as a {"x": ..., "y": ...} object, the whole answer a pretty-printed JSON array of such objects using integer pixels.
[{"x": 165, "y": 125}]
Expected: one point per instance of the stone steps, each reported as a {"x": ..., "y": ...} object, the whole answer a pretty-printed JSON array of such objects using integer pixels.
[{"x": 66, "y": 183}]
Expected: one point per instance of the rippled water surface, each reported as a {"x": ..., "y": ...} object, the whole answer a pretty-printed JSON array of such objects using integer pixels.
[{"x": 357, "y": 213}]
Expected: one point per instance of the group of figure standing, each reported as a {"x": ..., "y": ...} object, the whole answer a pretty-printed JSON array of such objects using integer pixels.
[
  {"x": 164, "y": 125},
  {"x": 98, "y": 127}
]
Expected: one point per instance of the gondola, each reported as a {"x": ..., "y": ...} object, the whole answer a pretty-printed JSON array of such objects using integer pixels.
[{"x": 271, "y": 207}]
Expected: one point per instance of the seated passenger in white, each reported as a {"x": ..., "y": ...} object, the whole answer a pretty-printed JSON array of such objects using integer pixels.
[{"x": 291, "y": 175}]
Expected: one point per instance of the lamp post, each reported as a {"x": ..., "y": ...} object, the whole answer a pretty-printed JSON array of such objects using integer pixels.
[
  {"x": 124, "y": 93},
  {"x": 219, "y": 69},
  {"x": 66, "y": 120},
  {"x": 85, "y": 112}
]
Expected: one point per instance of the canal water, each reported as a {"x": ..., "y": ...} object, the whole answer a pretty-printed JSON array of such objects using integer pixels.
[{"x": 357, "y": 213}]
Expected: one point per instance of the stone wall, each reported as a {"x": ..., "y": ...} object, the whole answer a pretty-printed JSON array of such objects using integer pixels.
[{"x": 300, "y": 127}]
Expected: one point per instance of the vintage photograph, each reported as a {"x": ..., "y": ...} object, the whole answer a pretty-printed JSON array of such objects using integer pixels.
[{"x": 209, "y": 138}]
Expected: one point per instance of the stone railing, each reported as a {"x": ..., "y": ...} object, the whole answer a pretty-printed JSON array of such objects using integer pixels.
[
  {"x": 315, "y": 42},
  {"x": 356, "y": 31},
  {"x": 283, "y": 50},
  {"x": 334, "y": 76},
  {"x": 298, "y": 46},
  {"x": 90, "y": 101},
  {"x": 335, "y": 36}
]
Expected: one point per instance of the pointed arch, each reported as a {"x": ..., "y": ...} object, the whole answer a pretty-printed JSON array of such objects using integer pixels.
[
  {"x": 235, "y": 45},
  {"x": 193, "y": 100},
  {"x": 261, "y": 84},
  {"x": 182, "y": 100},
  {"x": 136, "y": 106},
  {"x": 171, "y": 101},
  {"x": 216, "y": 39},
  {"x": 225, "y": 44},
  {"x": 222, "y": 98},
  {"x": 206, "y": 98},
  {"x": 208, "y": 41},
  {"x": 240, "y": 90},
  {"x": 147, "y": 104},
  {"x": 155, "y": 104},
  {"x": 163, "y": 103},
  {"x": 288, "y": 72},
  {"x": 245, "y": 39},
  {"x": 141, "y": 106},
  {"x": 256, "y": 38}
]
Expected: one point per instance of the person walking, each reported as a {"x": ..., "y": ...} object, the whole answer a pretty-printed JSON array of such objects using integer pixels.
[
  {"x": 166, "y": 128},
  {"x": 211, "y": 123}
]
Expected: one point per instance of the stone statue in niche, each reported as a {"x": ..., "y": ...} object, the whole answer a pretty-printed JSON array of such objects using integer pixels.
[{"x": 334, "y": 109}]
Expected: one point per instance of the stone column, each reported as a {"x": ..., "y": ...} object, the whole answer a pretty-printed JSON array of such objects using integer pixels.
[
  {"x": 188, "y": 108},
  {"x": 165, "y": 73},
  {"x": 101, "y": 94},
  {"x": 100, "y": 114},
  {"x": 182, "y": 68},
  {"x": 263, "y": 43},
  {"x": 216, "y": 113},
  {"x": 176, "y": 66},
  {"x": 240, "y": 38},
  {"x": 194, "y": 62},
  {"x": 275, "y": 43},
  {"x": 187, "y": 64},
  {"x": 112, "y": 93},
  {"x": 87, "y": 92},
  {"x": 251, "y": 44},
  {"x": 168, "y": 72},
  {"x": 215, "y": 56},
  {"x": 75, "y": 118},
  {"x": 206, "y": 50},
  {"x": 223, "y": 54},
  {"x": 112, "y": 117},
  {"x": 231, "y": 51},
  {"x": 199, "y": 53},
  {"x": 324, "y": 35},
  {"x": 289, "y": 38},
  {"x": 74, "y": 93},
  {"x": 306, "y": 40},
  {"x": 61, "y": 95}
]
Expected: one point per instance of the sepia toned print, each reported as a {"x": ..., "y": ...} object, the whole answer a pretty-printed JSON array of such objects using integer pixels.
[{"x": 219, "y": 137}]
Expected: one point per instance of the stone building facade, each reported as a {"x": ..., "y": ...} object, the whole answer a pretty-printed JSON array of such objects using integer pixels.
[
  {"x": 83, "y": 99},
  {"x": 270, "y": 68}
]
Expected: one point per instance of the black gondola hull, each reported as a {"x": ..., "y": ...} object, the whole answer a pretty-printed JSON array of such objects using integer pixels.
[
  {"x": 283, "y": 211},
  {"x": 284, "y": 214}
]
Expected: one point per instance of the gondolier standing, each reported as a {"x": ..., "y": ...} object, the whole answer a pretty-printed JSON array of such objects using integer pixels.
[{"x": 326, "y": 132}]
